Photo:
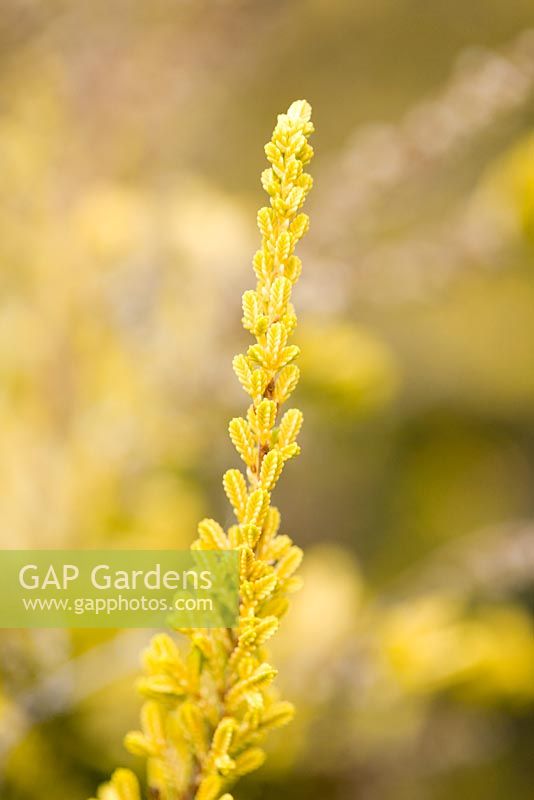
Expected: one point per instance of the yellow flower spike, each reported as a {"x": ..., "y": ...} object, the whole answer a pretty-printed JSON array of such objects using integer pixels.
[{"x": 207, "y": 713}]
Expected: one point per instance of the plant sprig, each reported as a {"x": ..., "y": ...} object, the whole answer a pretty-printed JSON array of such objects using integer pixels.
[{"x": 207, "y": 713}]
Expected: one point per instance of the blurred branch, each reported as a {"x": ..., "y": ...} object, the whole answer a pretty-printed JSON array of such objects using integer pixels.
[
  {"x": 485, "y": 86},
  {"x": 430, "y": 258},
  {"x": 495, "y": 561},
  {"x": 381, "y": 160}
]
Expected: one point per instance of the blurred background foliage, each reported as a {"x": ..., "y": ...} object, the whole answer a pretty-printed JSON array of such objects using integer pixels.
[{"x": 130, "y": 151}]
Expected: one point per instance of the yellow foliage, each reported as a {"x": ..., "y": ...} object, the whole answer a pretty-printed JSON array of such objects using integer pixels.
[
  {"x": 432, "y": 644},
  {"x": 206, "y": 714}
]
